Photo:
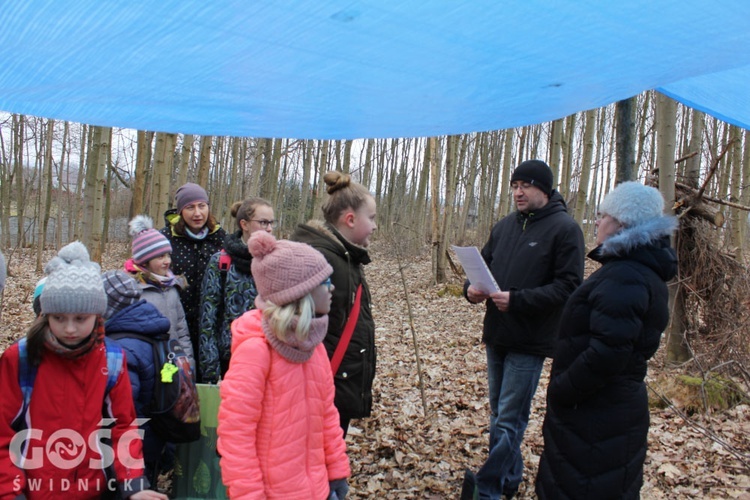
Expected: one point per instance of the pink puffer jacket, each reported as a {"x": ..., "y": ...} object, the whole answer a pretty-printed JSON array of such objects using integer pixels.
[{"x": 279, "y": 432}]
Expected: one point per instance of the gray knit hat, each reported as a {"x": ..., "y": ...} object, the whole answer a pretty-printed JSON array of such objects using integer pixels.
[
  {"x": 122, "y": 290},
  {"x": 73, "y": 285},
  {"x": 2, "y": 271},
  {"x": 632, "y": 203}
]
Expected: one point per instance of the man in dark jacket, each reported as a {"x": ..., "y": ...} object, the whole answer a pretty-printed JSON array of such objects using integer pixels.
[{"x": 536, "y": 257}]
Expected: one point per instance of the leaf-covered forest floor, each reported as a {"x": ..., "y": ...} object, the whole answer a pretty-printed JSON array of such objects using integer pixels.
[{"x": 402, "y": 453}]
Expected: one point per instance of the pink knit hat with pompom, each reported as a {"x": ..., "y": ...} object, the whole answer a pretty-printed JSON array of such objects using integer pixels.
[{"x": 284, "y": 271}]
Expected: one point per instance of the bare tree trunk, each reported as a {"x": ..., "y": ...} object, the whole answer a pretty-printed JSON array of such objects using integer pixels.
[
  {"x": 506, "y": 199},
  {"x": 74, "y": 223},
  {"x": 745, "y": 196},
  {"x": 451, "y": 158},
  {"x": 695, "y": 147},
  {"x": 567, "y": 164},
  {"x": 555, "y": 150},
  {"x": 367, "y": 170},
  {"x": 422, "y": 193},
  {"x": 307, "y": 154},
  {"x": 588, "y": 154},
  {"x": 204, "y": 165},
  {"x": 163, "y": 160},
  {"x": 18, "y": 126},
  {"x": 47, "y": 200},
  {"x": 666, "y": 116},
  {"x": 6, "y": 182},
  {"x": 65, "y": 153},
  {"x": 347, "y": 156},
  {"x": 95, "y": 186},
  {"x": 735, "y": 216},
  {"x": 471, "y": 179},
  {"x": 186, "y": 159},
  {"x": 625, "y": 112},
  {"x": 642, "y": 131},
  {"x": 435, "y": 208},
  {"x": 320, "y": 192},
  {"x": 142, "y": 162}
]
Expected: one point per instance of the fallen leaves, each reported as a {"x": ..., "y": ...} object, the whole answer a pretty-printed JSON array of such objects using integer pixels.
[{"x": 407, "y": 451}]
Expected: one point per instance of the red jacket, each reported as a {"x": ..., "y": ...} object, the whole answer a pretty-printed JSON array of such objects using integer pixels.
[
  {"x": 67, "y": 398},
  {"x": 279, "y": 432}
]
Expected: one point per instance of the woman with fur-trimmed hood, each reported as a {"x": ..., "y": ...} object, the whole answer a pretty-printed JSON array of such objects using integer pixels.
[{"x": 597, "y": 419}]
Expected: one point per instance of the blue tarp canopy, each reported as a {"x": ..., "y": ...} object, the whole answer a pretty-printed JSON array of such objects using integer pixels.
[{"x": 372, "y": 68}]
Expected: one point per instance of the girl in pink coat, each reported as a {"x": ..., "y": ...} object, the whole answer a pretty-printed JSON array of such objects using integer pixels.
[{"x": 279, "y": 433}]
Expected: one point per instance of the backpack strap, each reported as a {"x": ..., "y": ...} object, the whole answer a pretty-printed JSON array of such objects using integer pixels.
[
  {"x": 346, "y": 335},
  {"x": 26, "y": 377},
  {"x": 225, "y": 260},
  {"x": 115, "y": 357}
]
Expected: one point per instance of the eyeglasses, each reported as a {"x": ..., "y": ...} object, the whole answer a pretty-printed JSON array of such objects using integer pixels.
[
  {"x": 327, "y": 283},
  {"x": 264, "y": 223}
]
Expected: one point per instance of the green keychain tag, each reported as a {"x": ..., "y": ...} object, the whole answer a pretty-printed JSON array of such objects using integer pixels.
[{"x": 167, "y": 373}]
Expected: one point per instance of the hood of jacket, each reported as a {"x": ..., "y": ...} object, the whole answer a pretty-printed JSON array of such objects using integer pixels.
[
  {"x": 332, "y": 240},
  {"x": 646, "y": 243},
  {"x": 141, "y": 317},
  {"x": 237, "y": 249},
  {"x": 250, "y": 328}
]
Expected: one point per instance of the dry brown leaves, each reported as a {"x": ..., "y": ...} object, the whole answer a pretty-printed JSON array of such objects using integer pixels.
[{"x": 401, "y": 453}]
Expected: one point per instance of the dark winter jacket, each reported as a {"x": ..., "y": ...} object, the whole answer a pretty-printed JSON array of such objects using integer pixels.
[
  {"x": 597, "y": 418},
  {"x": 538, "y": 257},
  {"x": 190, "y": 258},
  {"x": 226, "y": 295},
  {"x": 141, "y": 318},
  {"x": 357, "y": 371}
]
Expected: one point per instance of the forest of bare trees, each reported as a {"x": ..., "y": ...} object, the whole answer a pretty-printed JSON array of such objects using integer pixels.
[{"x": 62, "y": 181}]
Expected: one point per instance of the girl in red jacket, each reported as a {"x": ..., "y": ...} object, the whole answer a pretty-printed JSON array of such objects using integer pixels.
[
  {"x": 59, "y": 446},
  {"x": 279, "y": 433}
]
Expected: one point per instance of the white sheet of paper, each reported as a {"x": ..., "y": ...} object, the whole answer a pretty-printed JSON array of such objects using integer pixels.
[{"x": 476, "y": 269}]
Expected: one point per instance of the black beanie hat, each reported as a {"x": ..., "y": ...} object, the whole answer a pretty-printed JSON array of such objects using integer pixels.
[{"x": 535, "y": 172}]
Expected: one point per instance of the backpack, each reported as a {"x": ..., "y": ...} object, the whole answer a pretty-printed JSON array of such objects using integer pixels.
[
  {"x": 27, "y": 376},
  {"x": 174, "y": 409}
]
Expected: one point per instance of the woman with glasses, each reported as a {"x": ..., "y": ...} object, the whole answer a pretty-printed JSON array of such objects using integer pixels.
[
  {"x": 229, "y": 289},
  {"x": 195, "y": 236}
]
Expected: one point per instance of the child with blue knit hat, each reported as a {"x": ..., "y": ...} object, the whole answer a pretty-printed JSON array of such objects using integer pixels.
[
  {"x": 129, "y": 317},
  {"x": 71, "y": 392}
]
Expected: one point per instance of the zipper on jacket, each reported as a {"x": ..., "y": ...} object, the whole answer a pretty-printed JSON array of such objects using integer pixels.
[{"x": 526, "y": 219}]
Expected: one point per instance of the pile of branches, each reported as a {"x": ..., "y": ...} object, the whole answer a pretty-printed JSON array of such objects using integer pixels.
[
  {"x": 716, "y": 289},
  {"x": 714, "y": 282}
]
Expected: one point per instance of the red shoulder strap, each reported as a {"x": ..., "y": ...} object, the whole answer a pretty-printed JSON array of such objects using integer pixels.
[{"x": 346, "y": 335}]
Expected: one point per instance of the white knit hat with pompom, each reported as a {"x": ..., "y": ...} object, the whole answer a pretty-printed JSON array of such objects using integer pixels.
[{"x": 73, "y": 283}]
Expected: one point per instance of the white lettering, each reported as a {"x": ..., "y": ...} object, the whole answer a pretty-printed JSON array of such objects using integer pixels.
[{"x": 34, "y": 460}]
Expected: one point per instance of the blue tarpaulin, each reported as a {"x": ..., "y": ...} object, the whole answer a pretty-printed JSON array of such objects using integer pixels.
[{"x": 351, "y": 69}]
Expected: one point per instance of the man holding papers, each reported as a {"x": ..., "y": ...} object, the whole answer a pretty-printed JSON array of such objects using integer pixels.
[{"x": 536, "y": 257}]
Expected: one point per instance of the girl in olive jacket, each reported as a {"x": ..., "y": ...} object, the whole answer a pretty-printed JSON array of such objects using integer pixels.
[{"x": 343, "y": 239}]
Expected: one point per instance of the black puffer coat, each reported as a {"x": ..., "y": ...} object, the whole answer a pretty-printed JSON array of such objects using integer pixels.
[
  {"x": 357, "y": 371},
  {"x": 597, "y": 417},
  {"x": 190, "y": 258}
]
